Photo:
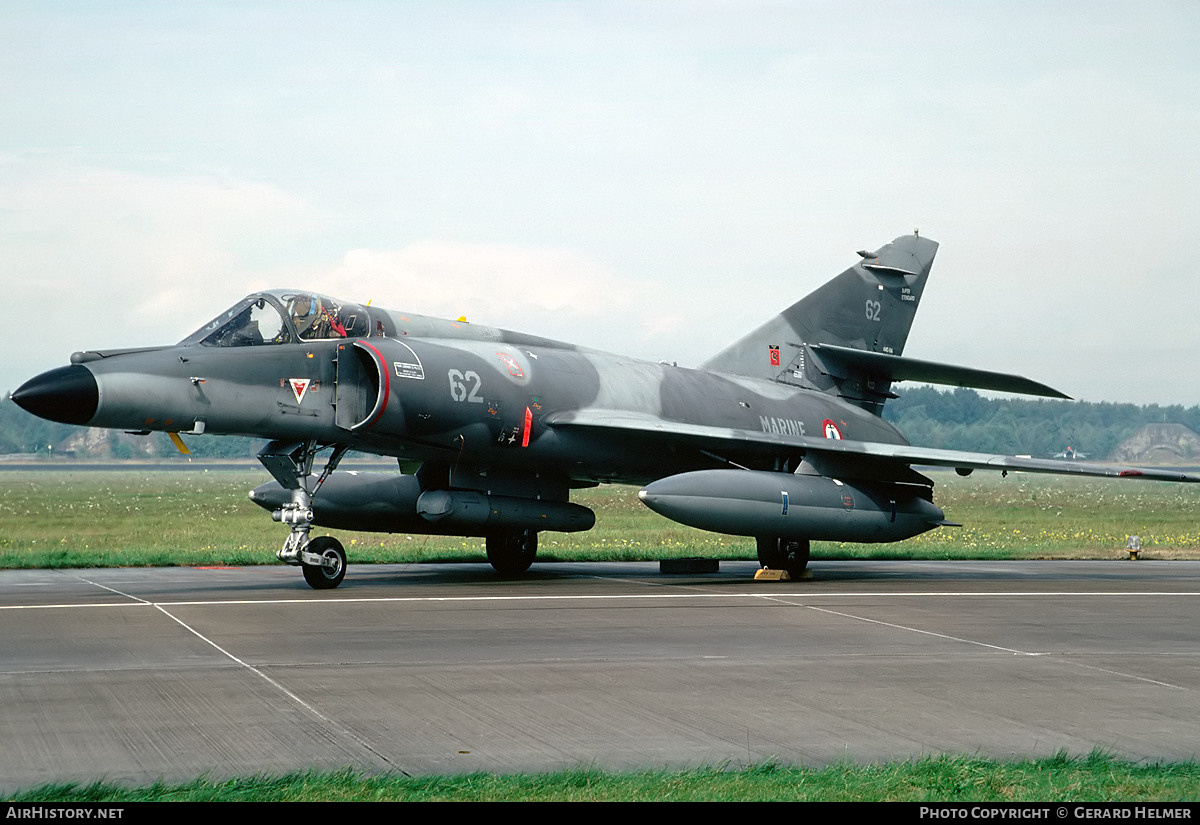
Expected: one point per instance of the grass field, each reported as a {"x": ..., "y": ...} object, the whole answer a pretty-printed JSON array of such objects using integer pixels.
[
  {"x": 135, "y": 518},
  {"x": 1094, "y": 777}
]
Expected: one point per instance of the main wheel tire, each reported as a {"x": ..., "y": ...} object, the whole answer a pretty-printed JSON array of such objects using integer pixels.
[
  {"x": 783, "y": 554},
  {"x": 512, "y": 551},
  {"x": 320, "y": 577}
]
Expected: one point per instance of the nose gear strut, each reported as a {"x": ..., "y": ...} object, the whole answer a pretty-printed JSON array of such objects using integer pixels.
[{"x": 323, "y": 559}]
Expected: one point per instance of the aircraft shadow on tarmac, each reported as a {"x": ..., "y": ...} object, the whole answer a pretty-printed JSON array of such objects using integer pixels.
[{"x": 735, "y": 573}]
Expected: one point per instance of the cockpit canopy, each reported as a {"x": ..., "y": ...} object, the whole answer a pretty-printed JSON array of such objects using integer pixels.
[{"x": 280, "y": 317}]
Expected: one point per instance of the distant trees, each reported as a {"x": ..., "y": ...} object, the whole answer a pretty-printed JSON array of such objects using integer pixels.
[
  {"x": 962, "y": 419},
  {"x": 25, "y": 434},
  {"x": 21, "y": 432}
]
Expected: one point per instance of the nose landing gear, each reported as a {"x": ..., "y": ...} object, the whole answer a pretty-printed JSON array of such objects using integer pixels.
[
  {"x": 323, "y": 559},
  {"x": 332, "y": 569}
]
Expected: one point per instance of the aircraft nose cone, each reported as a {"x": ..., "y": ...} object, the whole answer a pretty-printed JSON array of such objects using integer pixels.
[{"x": 68, "y": 394}]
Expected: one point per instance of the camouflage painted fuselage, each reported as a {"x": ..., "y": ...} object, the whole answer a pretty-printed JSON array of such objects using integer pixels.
[{"x": 482, "y": 398}]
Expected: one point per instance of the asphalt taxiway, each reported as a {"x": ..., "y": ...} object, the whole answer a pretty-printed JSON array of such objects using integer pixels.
[{"x": 133, "y": 675}]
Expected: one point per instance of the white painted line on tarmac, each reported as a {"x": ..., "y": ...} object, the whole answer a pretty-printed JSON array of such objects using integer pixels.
[
  {"x": 332, "y": 725},
  {"x": 808, "y": 596},
  {"x": 959, "y": 639},
  {"x": 910, "y": 629},
  {"x": 803, "y": 600}
]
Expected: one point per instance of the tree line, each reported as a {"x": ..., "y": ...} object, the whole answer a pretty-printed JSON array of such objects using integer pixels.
[
  {"x": 25, "y": 434},
  {"x": 963, "y": 419}
]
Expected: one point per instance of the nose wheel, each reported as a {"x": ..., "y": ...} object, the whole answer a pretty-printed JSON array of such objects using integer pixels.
[{"x": 332, "y": 568}]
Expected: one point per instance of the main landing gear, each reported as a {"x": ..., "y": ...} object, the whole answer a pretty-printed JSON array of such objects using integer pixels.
[
  {"x": 780, "y": 553},
  {"x": 322, "y": 559},
  {"x": 510, "y": 552}
]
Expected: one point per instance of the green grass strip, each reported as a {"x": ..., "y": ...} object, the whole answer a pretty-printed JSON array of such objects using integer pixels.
[
  {"x": 1095, "y": 777},
  {"x": 98, "y": 519}
]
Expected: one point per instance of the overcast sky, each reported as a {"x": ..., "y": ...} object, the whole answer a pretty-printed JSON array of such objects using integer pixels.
[{"x": 650, "y": 178}]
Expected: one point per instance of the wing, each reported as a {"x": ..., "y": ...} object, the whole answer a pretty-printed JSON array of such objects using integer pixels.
[{"x": 852, "y": 459}]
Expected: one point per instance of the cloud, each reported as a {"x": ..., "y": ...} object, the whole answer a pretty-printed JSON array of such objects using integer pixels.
[
  {"x": 112, "y": 258},
  {"x": 130, "y": 254},
  {"x": 531, "y": 289},
  {"x": 94, "y": 258}
]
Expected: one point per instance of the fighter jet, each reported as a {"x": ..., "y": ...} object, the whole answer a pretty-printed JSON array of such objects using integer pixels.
[{"x": 778, "y": 437}]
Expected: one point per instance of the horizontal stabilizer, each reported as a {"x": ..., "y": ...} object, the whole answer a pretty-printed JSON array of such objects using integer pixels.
[{"x": 840, "y": 362}]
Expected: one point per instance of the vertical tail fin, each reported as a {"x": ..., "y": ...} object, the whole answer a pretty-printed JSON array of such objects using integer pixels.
[{"x": 870, "y": 307}]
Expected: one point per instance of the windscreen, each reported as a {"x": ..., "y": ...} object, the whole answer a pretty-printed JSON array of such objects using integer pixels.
[
  {"x": 279, "y": 317},
  {"x": 252, "y": 322}
]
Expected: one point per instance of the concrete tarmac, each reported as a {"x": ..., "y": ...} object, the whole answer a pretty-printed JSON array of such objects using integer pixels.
[{"x": 134, "y": 675}]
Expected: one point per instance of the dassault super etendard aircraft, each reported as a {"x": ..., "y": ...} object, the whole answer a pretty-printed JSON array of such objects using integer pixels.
[{"x": 778, "y": 437}]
